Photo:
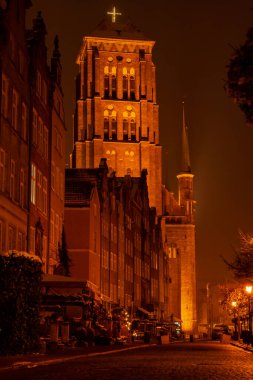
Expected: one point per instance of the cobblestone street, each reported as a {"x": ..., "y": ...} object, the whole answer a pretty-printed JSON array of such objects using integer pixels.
[{"x": 208, "y": 360}]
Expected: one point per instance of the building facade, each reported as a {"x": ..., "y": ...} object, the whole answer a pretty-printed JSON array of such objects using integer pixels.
[
  {"x": 32, "y": 138},
  {"x": 116, "y": 251},
  {"x": 116, "y": 119},
  {"x": 116, "y": 110}
]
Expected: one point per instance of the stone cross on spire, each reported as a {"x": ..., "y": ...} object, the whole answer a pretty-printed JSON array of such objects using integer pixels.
[{"x": 113, "y": 13}]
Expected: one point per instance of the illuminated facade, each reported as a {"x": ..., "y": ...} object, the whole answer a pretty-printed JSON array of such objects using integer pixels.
[
  {"x": 116, "y": 118},
  {"x": 116, "y": 111},
  {"x": 178, "y": 230}
]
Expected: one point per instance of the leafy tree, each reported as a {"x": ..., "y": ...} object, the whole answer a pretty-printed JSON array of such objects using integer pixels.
[
  {"x": 242, "y": 264},
  {"x": 63, "y": 267},
  {"x": 239, "y": 84},
  {"x": 235, "y": 302}
]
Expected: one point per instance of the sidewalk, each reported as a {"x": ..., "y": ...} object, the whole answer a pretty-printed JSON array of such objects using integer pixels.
[
  {"x": 244, "y": 346},
  {"x": 62, "y": 355}
]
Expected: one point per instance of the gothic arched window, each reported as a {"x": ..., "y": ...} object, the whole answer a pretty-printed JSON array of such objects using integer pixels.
[
  {"x": 106, "y": 125},
  {"x": 114, "y": 82},
  {"x": 132, "y": 83},
  {"x": 106, "y": 82},
  {"x": 133, "y": 126},
  {"x": 114, "y": 125},
  {"x": 125, "y": 126},
  {"x": 125, "y": 82}
]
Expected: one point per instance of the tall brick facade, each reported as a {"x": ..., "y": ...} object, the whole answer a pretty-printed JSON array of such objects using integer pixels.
[
  {"x": 116, "y": 119},
  {"x": 116, "y": 111}
]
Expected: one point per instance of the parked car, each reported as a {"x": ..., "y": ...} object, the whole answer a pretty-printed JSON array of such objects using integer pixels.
[{"x": 219, "y": 329}]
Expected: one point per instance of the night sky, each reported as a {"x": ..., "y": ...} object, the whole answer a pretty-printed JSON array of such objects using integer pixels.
[{"x": 194, "y": 42}]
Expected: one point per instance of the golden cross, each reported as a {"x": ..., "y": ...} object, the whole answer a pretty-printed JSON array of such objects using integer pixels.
[{"x": 114, "y": 14}]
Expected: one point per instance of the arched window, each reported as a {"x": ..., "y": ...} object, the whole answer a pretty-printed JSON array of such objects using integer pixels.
[
  {"x": 133, "y": 126},
  {"x": 125, "y": 125},
  {"x": 114, "y": 125},
  {"x": 125, "y": 81},
  {"x": 106, "y": 125},
  {"x": 114, "y": 82},
  {"x": 106, "y": 81},
  {"x": 132, "y": 83}
]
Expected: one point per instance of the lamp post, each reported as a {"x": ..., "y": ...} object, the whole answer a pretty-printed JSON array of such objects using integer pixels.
[
  {"x": 236, "y": 335},
  {"x": 248, "y": 289}
]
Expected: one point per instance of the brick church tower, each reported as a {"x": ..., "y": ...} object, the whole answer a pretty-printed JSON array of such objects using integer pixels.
[
  {"x": 178, "y": 230},
  {"x": 116, "y": 113}
]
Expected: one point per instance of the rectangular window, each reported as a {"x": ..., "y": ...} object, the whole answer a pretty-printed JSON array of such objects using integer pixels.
[
  {"x": 11, "y": 238},
  {"x": 2, "y": 170},
  {"x": 22, "y": 188},
  {"x": 5, "y": 93},
  {"x": 35, "y": 128},
  {"x": 45, "y": 142},
  {"x": 44, "y": 200},
  {"x": 21, "y": 241},
  {"x": 32, "y": 240},
  {"x": 24, "y": 121},
  {"x": 14, "y": 112},
  {"x": 33, "y": 184},
  {"x": 12, "y": 179},
  {"x": 39, "y": 190}
]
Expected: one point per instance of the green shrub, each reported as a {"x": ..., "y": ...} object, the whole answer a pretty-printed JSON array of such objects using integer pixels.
[{"x": 20, "y": 281}]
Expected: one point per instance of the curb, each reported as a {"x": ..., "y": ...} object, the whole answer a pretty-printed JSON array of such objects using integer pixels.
[
  {"x": 33, "y": 364},
  {"x": 244, "y": 347}
]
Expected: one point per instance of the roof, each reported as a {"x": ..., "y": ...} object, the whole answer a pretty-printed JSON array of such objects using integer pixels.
[{"x": 108, "y": 29}]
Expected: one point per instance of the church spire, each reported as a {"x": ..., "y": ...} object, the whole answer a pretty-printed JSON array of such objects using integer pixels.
[
  {"x": 185, "y": 177},
  {"x": 185, "y": 158}
]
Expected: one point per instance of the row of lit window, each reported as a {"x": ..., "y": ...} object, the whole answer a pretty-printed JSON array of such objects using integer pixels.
[
  {"x": 13, "y": 108},
  {"x": 112, "y": 70},
  {"x": 16, "y": 179}
]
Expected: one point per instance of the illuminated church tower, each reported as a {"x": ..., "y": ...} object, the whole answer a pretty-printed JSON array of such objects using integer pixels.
[
  {"x": 178, "y": 231},
  {"x": 116, "y": 114}
]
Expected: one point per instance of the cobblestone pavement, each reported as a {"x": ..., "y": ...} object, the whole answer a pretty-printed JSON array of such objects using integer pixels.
[{"x": 207, "y": 360}]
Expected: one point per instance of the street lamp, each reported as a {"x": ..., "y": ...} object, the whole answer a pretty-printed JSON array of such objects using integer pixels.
[{"x": 248, "y": 289}]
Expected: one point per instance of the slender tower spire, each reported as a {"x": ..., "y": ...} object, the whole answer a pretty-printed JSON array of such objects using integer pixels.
[
  {"x": 185, "y": 158},
  {"x": 185, "y": 176}
]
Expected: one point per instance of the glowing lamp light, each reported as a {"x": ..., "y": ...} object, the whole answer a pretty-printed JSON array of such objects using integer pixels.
[
  {"x": 234, "y": 303},
  {"x": 248, "y": 289}
]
